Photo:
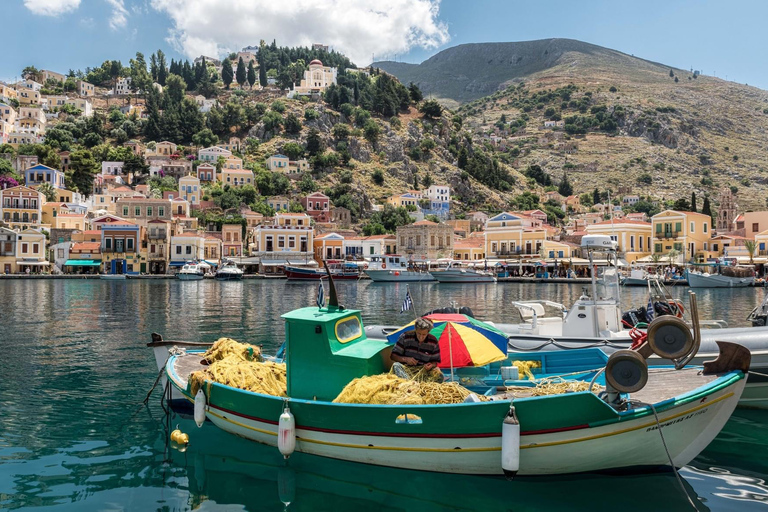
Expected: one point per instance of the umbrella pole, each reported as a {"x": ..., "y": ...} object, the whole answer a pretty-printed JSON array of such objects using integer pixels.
[{"x": 450, "y": 349}]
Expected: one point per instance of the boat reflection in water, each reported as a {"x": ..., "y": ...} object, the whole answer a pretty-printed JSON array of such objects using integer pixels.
[{"x": 228, "y": 470}]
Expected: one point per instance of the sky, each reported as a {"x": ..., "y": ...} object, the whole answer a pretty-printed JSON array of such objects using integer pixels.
[{"x": 718, "y": 38}]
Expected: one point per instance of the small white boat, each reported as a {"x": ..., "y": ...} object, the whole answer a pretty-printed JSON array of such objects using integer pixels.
[
  {"x": 112, "y": 277},
  {"x": 637, "y": 277},
  {"x": 458, "y": 273},
  {"x": 228, "y": 271},
  {"x": 191, "y": 271},
  {"x": 393, "y": 268}
]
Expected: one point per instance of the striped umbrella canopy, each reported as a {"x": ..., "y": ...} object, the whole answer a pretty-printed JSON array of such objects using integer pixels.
[{"x": 463, "y": 340}]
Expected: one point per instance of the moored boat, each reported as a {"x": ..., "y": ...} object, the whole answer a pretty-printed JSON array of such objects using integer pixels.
[
  {"x": 191, "y": 271},
  {"x": 340, "y": 270},
  {"x": 724, "y": 279},
  {"x": 457, "y": 272},
  {"x": 228, "y": 271},
  {"x": 112, "y": 277},
  {"x": 326, "y": 349},
  {"x": 395, "y": 268}
]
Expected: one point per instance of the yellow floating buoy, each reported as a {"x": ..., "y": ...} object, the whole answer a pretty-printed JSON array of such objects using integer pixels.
[{"x": 179, "y": 437}]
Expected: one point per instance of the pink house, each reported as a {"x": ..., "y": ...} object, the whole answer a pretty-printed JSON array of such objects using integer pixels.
[
  {"x": 206, "y": 173},
  {"x": 318, "y": 206}
]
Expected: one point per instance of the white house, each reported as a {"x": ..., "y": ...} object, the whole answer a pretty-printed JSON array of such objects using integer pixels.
[
  {"x": 277, "y": 163},
  {"x": 123, "y": 85},
  {"x": 212, "y": 154},
  {"x": 316, "y": 79},
  {"x": 186, "y": 246},
  {"x": 112, "y": 168}
]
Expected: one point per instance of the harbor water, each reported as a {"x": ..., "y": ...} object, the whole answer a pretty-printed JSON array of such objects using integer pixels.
[{"x": 75, "y": 435}]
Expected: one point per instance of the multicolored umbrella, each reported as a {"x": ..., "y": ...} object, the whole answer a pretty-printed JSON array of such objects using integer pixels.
[{"x": 463, "y": 340}]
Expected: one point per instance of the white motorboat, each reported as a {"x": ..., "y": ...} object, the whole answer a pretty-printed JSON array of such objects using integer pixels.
[
  {"x": 112, "y": 277},
  {"x": 457, "y": 272},
  {"x": 392, "y": 268},
  {"x": 191, "y": 271},
  {"x": 228, "y": 271},
  {"x": 723, "y": 277}
]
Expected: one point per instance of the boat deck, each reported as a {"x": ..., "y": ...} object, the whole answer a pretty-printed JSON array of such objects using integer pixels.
[{"x": 663, "y": 383}]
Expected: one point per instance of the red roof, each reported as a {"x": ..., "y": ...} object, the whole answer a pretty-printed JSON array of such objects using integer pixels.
[
  {"x": 315, "y": 61},
  {"x": 425, "y": 223},
  {"x": 85, "y": 246},
  {"x": 622, "y": 221}
]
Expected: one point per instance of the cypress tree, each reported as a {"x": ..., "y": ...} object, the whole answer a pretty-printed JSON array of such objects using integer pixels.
[
  {"x": 595, "y": 196},
  {"x": 226, "y": 72},
  {"x": 262, "y": 69},
  {"x": 251, "y": 74},
  {"x": 565, "y": 188},
  {"x": 241, "y": 74},
  {"x": 693, "y": 202}
]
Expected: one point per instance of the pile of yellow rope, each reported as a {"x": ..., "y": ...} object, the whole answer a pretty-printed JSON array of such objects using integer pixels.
[
  {"x": 525, "y": 367},
  {"x": 227, "y": 347},
  {"x": 240, "y": 365},
  {"x": 553, "y": 386},
  {"x": 389, "y": 389}
]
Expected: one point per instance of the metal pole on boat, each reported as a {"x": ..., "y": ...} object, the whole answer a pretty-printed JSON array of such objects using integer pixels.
[
  {"x": 450, "y": 347},
  {"x": 593, "y": 271}
]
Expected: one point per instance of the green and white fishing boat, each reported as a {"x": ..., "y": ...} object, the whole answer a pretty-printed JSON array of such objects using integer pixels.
[{"x": 620, "y": 429}]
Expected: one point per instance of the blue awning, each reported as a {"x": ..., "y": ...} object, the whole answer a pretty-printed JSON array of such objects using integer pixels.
[
  {"x": 177, "y": 263},
  {"x": 82, "y": 263}
]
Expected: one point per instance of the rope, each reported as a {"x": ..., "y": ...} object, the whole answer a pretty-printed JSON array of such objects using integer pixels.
[
  {"x": 553, "y": 342},
  {"x": 758, "y": 373},
  {"x": 669, "y": 457},
  {"x": 157, "y": 380}
]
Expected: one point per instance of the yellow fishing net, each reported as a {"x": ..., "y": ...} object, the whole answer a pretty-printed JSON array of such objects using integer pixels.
[
  {"x": 553, "y": 386},
  {"x": 227, "y": 347},
  {"x": 525, "y": 367},
  {"x": 240, "y": 365},
  {"x": 390, "y": 389}
]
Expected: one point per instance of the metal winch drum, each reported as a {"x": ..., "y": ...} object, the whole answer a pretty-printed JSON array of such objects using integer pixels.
[{"x": 668, "y": 337}]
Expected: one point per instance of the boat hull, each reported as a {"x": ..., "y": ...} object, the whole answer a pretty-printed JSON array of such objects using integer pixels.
[
  {"x": 301, "y": 274},
  {"x": 466, "y": 438},
  {"x": 229, "y": 276},
  {"x": 190, "y": 277},
  {"x": 462, "y": 276},
  {"x": 398, "y": 276},
  {"x": 718, "y": 281},
  {"x": 112, "y": 277}
]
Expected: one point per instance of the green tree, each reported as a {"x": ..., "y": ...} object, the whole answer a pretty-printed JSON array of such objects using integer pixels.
[
  {"x": 372, "y": 131},
  {"x": 83, "y": 169},
  {"x": 565, "y": 188},
  {"x": 750, "y": 246},
  {"x": 226, "y": 73},
  {"x": 314, "y": 142},
  {"x": 307, "y": 184},
  {"x": 273, "y": 122},
  {"x": 595, "y": 196},
  {"x": 262, "y": 66},
  {"x": 431, "y": 109},
  {"x": 251, "y": 74},
  {"x": 292, "y": 150},
  {"x": 48, "y": 191},
  {"x": 415, "y": 92},
  {"x": 205, "y": 138},
  {"x": 378, "y": 177},
  {"x": 162, "y": 69},
  {"x": 241, "y": 74},
  {"x": 693, "y": 201},
  {"x": 292, "y": 124}
]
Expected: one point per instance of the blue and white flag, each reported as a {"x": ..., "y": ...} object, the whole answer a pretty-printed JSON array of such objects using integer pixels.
[
  {"x": 407, "y": 302},
  {"x": 320, "y": 295},
  {"x": 649, "y": 309}
]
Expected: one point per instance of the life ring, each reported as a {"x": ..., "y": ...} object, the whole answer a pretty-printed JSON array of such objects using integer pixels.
[
  {"x": 677, "y": 305},
  {"x": 383, "y": 265}
]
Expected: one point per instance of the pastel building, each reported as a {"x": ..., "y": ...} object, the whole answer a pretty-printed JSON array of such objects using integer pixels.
[
  {"x": 30, "y": 251},
  {"x": 206, "y": 173},
  {"x": 232, "y": 240},
  {"x": 237, "y": 177},
  {"x": 688, "y": 233},
  {"x": 120, "y": 247},
  {"x": 189, "y": 189},
  {"x": 211, "y": 155},
  {"x": 506, "y": 235},
  {"x": 316, "y": 79},
  {"x": 633, "y": 236},
  {"x": 21, "y": 207}
]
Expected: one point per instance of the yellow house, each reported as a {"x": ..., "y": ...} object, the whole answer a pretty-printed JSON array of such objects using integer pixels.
[
  {"x": 557, "y": 250},
  {"x": 688, "y": 233},
  {"x": 236, "y": 177},
  {"x": 506, "y": 236},
  {"x": 407, "y": 199},
  {"x": 633, "y": 236},
  {"x": 30, "y": 252},
  {"x": 328, "y": 246},
  {"x": 469, "y": 249},
  {"x": 21, "y": 207},
  {"x": 233, "y": 162}
]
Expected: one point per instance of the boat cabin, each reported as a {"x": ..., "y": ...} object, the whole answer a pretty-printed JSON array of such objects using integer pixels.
[{"x": 326, "y": 348}]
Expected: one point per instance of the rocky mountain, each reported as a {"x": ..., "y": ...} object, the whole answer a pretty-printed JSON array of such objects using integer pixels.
[
  {"x": 470, "y": 71},
  {"x": 619, "y": 121}
]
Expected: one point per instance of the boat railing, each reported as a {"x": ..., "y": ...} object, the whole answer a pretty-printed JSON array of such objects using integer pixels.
[{"x": 534, "y": 309}]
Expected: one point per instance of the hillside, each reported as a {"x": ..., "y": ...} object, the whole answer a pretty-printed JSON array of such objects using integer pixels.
[
  {"x": 470, "y": 71},
  {"x": 627, "y": 121}
]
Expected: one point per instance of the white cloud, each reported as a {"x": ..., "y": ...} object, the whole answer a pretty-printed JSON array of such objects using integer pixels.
[
  {"x": 357, "y": 28},
  {"x": 51, "y": 7},
  {"x": 119, "y": 18}
]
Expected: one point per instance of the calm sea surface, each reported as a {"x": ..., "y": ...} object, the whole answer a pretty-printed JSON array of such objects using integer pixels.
[{"x": 74, "y": 434}]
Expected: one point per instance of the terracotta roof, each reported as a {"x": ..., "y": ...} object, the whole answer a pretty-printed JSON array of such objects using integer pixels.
[
  {"x": 381, "y": 237},
  {"x": 425, "y": 223},
  {"x": 142, "y": 199},
  {"x": 469, "y": 243},
  {"x": 85, "y": 246},
  {"x": 291, "y": 214},
  {"x": 71, "y": 215},
  {"x": 92, "y": 232},
  {"x": 119, "y": 223},
  {"x": 622, "y": 221}
]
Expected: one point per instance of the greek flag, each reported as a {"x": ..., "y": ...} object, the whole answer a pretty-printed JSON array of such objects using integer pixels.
[
  {"x": 407, "y": 302},
  {"x": 649, "y": 309},
  {"x": 320, "y": 295}
]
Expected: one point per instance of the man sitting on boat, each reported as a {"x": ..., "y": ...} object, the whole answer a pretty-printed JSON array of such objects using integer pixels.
[{"x": 417, "y": 351}]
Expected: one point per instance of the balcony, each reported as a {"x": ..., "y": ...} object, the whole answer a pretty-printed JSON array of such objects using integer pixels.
[
  {"x": 157, "y": 255},
  {"x": 160, "y": 234},
  {"x": 667, "y": 235}
]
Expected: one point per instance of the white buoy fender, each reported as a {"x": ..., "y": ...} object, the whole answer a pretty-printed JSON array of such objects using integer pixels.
[
  {"x": 510, "y": 444},
  {"x": 286, "y": 433},
  {"x": 200, "y": 407}
]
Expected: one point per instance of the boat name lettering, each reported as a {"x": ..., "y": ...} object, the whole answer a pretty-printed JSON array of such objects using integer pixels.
[{"x": 678, "y": 420}]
